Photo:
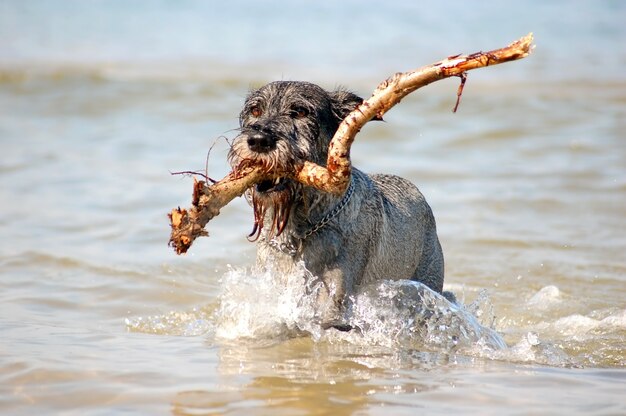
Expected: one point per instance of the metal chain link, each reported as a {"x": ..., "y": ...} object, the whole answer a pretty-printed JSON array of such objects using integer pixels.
[
  {"x": 290, "y": 249},
  {"x": 286, "y": 248},
  {"x": 332, "y": 214}
]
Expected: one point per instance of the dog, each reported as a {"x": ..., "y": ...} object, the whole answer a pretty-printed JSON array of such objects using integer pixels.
[{"x": 381, "y": 228}]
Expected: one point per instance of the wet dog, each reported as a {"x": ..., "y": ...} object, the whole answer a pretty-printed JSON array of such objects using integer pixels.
[{"x": 381, "y": 228}]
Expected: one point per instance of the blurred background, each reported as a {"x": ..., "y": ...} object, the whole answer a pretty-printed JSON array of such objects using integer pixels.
[{"x": 101, "y": 100}]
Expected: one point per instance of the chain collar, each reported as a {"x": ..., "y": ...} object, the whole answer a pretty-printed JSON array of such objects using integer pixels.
[{"x": 294, "y": 242}]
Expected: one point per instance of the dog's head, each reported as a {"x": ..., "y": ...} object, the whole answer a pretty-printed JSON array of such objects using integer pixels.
[
  {"x": 283, "y": 124},
  {"x": 287, "y": 122}
]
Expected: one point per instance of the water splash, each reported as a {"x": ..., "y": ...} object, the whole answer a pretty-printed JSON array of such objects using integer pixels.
[
  {"x": 262, "y": 306},
  {"x": 408, "y": 314},
  {"x": 529, "y": 349},
  {"x": 266, "y": 308}
]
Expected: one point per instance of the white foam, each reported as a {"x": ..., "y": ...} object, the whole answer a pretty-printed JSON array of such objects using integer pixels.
[
  {"x": 574, "y": 325},
  {"x": 616, "y": 321},
  {"x": 579, "y": 326},
  {"x": 545, "y": 298}
]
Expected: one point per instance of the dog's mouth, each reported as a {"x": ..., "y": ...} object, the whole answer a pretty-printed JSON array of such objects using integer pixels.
[{"x": 273, "y": 185}]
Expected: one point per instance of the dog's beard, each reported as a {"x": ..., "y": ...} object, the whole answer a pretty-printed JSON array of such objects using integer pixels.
[
  {"x": 273, "y": 197},
  {"x": 272, "y": 200}
]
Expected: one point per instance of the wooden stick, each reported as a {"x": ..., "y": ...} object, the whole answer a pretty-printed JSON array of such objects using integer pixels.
[
  {"x": 335, "y": 176},
  {"x": 187, "y": 225},
  {"x": 207, "y": 201}
]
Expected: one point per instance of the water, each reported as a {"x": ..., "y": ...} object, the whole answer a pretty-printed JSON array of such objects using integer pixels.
[{"x": 99, "y": 101}]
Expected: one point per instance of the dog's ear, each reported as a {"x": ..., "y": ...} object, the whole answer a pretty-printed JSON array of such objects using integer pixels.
[{"x": 343, "y": 102}]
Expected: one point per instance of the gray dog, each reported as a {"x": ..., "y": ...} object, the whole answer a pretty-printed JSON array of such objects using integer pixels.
[{"x": 382, "y": 228}]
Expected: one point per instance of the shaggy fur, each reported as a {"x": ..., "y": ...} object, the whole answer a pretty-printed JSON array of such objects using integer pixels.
[{"x": 385, "y": 230}]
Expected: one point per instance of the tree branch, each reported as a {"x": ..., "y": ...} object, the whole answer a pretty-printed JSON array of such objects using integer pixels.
[
  {"x": 335, "y": 176},
  {"x": 206, "y": 203}
]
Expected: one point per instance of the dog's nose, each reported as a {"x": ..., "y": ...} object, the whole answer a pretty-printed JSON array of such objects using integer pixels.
[{"x": 261, "y": 142}]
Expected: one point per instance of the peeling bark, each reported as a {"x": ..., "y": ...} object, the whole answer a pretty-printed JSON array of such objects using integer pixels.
[
  {"x": 206, "y": 202},
  {"x": 187, "y": 225}
]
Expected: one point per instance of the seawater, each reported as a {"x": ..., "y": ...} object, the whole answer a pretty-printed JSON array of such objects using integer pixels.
[{"x": 101, "y": 100}]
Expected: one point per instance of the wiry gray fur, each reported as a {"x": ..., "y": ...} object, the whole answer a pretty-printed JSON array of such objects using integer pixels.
[{"x": 385, "y": 231}]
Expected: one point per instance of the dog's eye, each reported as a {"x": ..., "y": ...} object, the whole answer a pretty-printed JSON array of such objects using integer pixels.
[
  {"x": 299, "y": 112},
  {"x": 256, "y": 111}
]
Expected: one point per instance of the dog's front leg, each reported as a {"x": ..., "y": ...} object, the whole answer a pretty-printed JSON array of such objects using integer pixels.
[{"x": 331, "y": 299}]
